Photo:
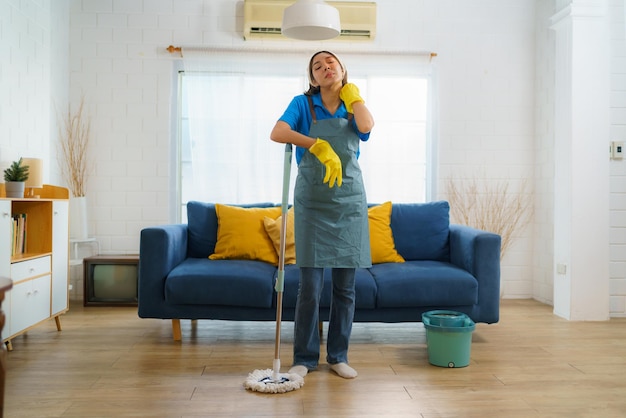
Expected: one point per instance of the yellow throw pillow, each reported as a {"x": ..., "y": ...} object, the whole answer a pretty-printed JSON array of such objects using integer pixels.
[
  {"x": 272, "y": 227},
  {"x": 382, "y": 245},
  {"x": 241, "y": 234}
]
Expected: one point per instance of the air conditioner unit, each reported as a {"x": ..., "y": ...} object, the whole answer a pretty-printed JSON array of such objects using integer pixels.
[{"x": 263, "y": 19}]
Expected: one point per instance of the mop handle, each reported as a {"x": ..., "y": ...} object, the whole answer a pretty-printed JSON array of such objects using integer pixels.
[
  {"x": 280, "y": 280},
  {"x": 279, "y": 287}
]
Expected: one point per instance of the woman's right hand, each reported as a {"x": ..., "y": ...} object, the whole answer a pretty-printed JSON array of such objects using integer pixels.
[{"x": 327, "y": 156}]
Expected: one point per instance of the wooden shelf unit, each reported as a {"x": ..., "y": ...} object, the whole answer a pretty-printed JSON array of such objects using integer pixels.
[{"x": 40, "y": 275}]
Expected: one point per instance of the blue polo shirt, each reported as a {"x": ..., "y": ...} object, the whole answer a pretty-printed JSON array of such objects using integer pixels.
[{"x": 298, "y": 117}]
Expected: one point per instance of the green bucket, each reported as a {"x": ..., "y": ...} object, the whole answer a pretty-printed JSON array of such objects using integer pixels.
[{"x": 449, "y": 338}]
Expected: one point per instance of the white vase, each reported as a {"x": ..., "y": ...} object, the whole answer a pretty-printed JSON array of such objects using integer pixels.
[{"x": 78, "y": 218}]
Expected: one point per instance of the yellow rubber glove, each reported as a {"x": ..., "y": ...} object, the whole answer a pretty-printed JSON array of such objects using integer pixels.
[
  {"x": 327, "y": 156},
  {"x": 350, "y": 94}
]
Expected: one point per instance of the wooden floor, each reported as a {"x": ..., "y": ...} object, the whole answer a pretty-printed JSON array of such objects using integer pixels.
[{"x": 109, "y": 363}]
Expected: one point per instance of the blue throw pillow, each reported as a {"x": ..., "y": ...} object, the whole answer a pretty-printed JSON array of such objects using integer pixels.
[
  {"x": 202, "y": 229},
  {"x": 421, "y": 230}
]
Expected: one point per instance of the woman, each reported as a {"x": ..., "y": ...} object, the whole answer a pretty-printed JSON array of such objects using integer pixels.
[{"x": 327, "y": 124}]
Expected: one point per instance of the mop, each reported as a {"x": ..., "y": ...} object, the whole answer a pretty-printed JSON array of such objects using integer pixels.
[{"x": 271, "y": 380}]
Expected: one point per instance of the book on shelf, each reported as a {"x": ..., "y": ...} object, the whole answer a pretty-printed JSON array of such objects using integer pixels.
[{"x": 19, "y": 234}]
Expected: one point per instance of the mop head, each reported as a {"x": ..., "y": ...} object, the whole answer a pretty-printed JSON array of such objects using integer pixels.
[{"x": 266, "y": 381}]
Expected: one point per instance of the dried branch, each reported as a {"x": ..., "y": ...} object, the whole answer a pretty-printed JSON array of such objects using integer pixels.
[
  {"x": 74, "y": 135},
  {"x": 490, "y": 207}
]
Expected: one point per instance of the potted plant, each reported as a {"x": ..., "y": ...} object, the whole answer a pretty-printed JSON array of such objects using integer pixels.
[{"x": 14, "y": 179}]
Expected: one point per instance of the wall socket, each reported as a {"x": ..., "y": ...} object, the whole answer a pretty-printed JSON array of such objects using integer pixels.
[{"x": 617, "y": 150}]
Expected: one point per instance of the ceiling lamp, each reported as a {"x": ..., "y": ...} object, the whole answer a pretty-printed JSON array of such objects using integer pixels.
[{"x": 311, "y": 20}]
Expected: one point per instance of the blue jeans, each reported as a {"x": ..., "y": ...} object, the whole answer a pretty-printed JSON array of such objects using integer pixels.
[{"x": 306, "y": 348}]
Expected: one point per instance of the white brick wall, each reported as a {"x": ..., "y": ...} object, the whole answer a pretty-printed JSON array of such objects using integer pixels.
[
  {"x": 486, "y": 78},
  {"x": 25, "y": 47},
  {"x": 59, "y": 76},
  {"x": 617, "y": 217},
  {"x": 120, "y": 65}
]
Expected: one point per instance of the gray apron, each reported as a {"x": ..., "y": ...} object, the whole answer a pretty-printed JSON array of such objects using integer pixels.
[{"x": 331, "y": 224}]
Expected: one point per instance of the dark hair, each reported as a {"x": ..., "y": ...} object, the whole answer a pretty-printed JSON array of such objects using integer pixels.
[{"x": 316, "y": 89}]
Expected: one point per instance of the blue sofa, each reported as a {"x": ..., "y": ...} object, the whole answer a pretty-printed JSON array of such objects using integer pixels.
[{"x": 447, "y": 266}]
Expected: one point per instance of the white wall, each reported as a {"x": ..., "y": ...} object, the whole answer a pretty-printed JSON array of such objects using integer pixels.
[
  {"x": 60, "y": 78},
  {"x": 544, "y": 260},
  {"x": 486, "y": 80},
  {"x": 34, "y": 80},
  {"x": 617, "y": 202},
  {"x": 495, "y": 72},
  {"x": 25, "y": 48},
  {"x": 581, "y": 130},
  {"x": 543, "y": 230}
]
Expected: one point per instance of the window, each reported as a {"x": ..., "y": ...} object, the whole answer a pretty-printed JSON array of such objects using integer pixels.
[{"x": 226, "y": 115}]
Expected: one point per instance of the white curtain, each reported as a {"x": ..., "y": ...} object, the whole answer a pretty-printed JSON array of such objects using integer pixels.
[{"x": 232, "y": 99}]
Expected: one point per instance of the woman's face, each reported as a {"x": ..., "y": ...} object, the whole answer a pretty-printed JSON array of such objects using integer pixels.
[{"x": 326, "y": 70}]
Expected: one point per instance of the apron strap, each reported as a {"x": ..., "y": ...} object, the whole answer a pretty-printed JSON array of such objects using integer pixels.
[
  {"x": 311, "y": 109},
  {"x": 314, "y": 118}
]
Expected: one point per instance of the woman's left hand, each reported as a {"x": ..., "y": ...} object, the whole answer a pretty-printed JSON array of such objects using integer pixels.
[{"x": 350, "y": 94}]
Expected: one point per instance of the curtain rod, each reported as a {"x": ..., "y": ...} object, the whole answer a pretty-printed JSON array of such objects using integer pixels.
[{"x": 174, "y": 49}]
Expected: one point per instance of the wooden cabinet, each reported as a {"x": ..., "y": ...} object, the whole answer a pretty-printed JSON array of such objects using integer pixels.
[
  {"x": 60, "y": 257},
  {"x": 30, "y": 303},
  {"x": 37, "y": 263}
]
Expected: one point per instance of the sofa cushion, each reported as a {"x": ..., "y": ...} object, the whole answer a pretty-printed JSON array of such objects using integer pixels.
[
  {"x": 200, "y": 281},
  {"x": 365, "y": 288},
  {"x": 423, "y": 283},
  {"x": 381, "y": 237},
  {"x": 241, "y": 234},
  {"x": 421, "y": 230},
  {"x": 202, "y": 227},
  {"x": 273, "y": 226}
]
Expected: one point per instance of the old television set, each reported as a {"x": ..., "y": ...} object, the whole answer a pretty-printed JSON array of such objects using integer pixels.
[{"x": 110, "y": 280}]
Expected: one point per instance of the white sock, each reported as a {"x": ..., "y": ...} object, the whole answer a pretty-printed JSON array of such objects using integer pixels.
[
  {"x": 299, "y": 370},
  {"x": 343, "y": 370}
]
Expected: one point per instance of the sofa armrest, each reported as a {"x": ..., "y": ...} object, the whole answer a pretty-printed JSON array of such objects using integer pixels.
[
  {"x": 478, "y": 252},
  {"x": 161, "y": 248}
]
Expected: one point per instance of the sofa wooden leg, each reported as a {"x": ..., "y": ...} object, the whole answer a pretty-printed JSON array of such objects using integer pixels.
[
  {"x": 176, "y": 330},
  {"x": 320, "y": 326}
]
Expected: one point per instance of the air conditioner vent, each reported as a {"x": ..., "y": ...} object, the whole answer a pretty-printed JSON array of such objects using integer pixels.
[{"x": 265, "y": 31}]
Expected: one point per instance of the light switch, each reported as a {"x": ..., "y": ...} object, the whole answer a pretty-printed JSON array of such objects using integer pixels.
[{"x": 617, "y": 150}]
